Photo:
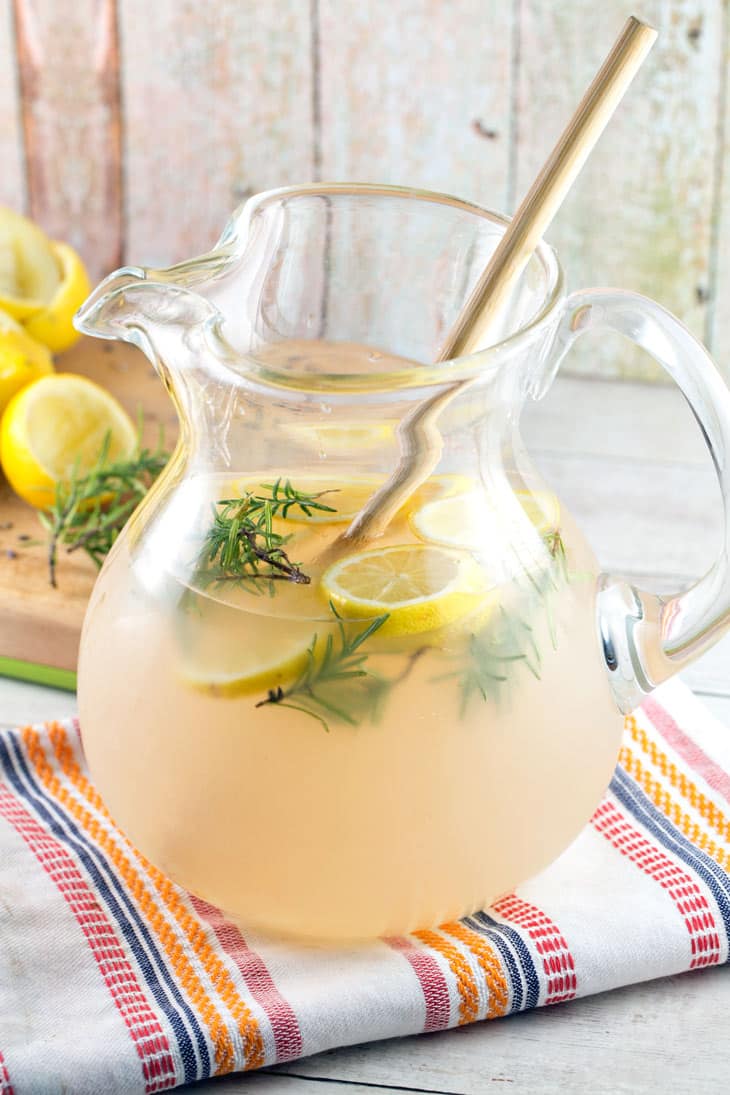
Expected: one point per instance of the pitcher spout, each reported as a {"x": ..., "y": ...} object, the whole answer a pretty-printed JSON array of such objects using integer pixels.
[
  {"x": 144, "y": 307},
  {"x": 106, "y": 312}
]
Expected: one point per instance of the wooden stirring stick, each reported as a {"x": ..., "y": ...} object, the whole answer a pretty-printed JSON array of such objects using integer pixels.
[
  {"x": 420, "y": 441},
  {"x": 549, "y": 190}
]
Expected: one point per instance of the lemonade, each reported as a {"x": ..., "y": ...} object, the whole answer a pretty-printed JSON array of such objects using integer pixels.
[
  {"x": 345, "y": 756},
  {"x": 336, "y": 721}
]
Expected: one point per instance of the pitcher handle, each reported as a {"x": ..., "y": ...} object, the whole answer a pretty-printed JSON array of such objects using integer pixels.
[{"x": 647, "y": 638}]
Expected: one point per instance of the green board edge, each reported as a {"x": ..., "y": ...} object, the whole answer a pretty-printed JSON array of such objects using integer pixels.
[{"x": 50, "y": 675}]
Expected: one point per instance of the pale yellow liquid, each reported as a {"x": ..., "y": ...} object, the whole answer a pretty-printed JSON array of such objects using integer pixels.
[{"x": 422, "y": 815}]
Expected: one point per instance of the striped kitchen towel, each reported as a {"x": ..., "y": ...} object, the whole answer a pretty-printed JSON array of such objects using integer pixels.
[{"x": 114, "y": 980}]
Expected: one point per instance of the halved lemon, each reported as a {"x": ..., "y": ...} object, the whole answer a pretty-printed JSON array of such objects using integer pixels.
[
  {"x": 29, "y": 270},
  {"x": 55, "y": 426},
  {"x": 53, "y": 323},
  {"x": 22, "y": 359},
  {"x": 420, "y": 587},
  {"x": 219, "y": 656}
]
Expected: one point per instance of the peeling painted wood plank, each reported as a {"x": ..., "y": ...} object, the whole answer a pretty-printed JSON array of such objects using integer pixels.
[
  {"x": 640, "y": 215},
  {"x": 68, "y": 61},
  {"x": 417, "y": 93},
  {"x": 719, "y": 325},
  {"x": 217, "y": 106},
  {"x": 12, "y": 176}
]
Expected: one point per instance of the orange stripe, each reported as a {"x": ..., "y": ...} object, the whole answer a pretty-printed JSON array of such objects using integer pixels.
[
  {"x": 247, "y": 1025},
  {"x": 489, "y": 963},
  {"x": 671, "y": 809},
  {"x": 185, "y": 972},
  {"x": 704, "y": 806},
  {"x": 465, "y": 981}
]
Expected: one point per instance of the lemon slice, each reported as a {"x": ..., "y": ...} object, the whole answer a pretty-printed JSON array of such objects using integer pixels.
[
  {"x": 52, "y": 324},
  {"x": 22, "y": 359},
  {"x": 55, "y": 425},
  {"x": 420, "y": 587},
  {"x": 467, "y": 521},
  {"x": 220, "y": 655},
  {"x": 29, "y": 270},
  {"x": 460, "y": 521},
  {"x": 439, "y": 486},
  {"x": 345, "y": 499},
  {"x": 542, "y": 507}
]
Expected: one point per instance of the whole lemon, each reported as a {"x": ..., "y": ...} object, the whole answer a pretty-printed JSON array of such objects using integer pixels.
[{"x": 22, "y": 359}]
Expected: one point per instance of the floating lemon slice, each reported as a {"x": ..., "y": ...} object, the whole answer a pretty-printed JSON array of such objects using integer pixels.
[
  {"x": 459, "y": 521},
  {"x": 542, "y": 507},
  {"x": 467, "y": 521},
  {"x": 53, "y": 323},
  {"x": 218, "y": 656},
  {"x": 438, "y": 486},
  {"x": 22, "y": 359},
  {"x": 56, "y": 425},
  {"x": 345, "y": 499},
  {"x": 29, "y": 270},
  {"x": 420, "y": 587}
]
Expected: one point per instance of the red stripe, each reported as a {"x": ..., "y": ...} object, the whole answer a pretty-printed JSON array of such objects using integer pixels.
[
  {"x": 143, "y": 1025},
  {"x": 432, "y": 981},
  {"x": 287, "y": 1036},
  {"x": 681, "y": 887},
  {"x": 550, "y": 944},
  {"x": 670, "y": 730},
  {"x": 6, "y": 1088}
]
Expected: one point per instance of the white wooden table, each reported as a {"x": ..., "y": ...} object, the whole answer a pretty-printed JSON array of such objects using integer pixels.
[{"x": 629, "y": 461}]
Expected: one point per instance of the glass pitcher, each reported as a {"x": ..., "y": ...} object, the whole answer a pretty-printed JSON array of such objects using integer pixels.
[{"x": 337, "y": 733}]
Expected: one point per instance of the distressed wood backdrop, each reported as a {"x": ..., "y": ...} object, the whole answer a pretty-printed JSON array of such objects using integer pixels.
[{"x": 133, "y": 127}]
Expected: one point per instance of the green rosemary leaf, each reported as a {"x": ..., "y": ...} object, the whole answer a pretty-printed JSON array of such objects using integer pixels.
[
  {"x": 305, "y": 711},
  {"x": 89, "y": 510},
  {"x": 339, "y": 712},
  {"x": 508, "y": 638},
  {"x": 335, "y": 683},
  {"x": 365, "y": 635},
  {"x": 241, "y": 538}
]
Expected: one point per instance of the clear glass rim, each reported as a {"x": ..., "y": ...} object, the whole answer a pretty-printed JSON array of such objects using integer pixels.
[{"x": 466, "y": 367}]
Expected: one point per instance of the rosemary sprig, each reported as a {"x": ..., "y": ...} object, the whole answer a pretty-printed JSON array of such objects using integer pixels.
[
  {"x": 335, "y": 683},
  {"x": 508, "y": 639},
  {"x": 241, "y": 541},
  {"x": 90, "y": 510},
  {"x": 556, "y": 546},
  {"x": 492, "y": 655}
]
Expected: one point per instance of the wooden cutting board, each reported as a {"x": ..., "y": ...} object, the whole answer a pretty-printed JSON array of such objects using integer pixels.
[{"x": 40, "y": 626}]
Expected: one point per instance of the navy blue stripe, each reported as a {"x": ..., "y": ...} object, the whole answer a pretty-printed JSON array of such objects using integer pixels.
[
  {"x": 631, "y": 796},
  {"x": 494, "y": 937},
  {"x": 532, "y": 981},
  {"x": 86, "y": 852}
]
